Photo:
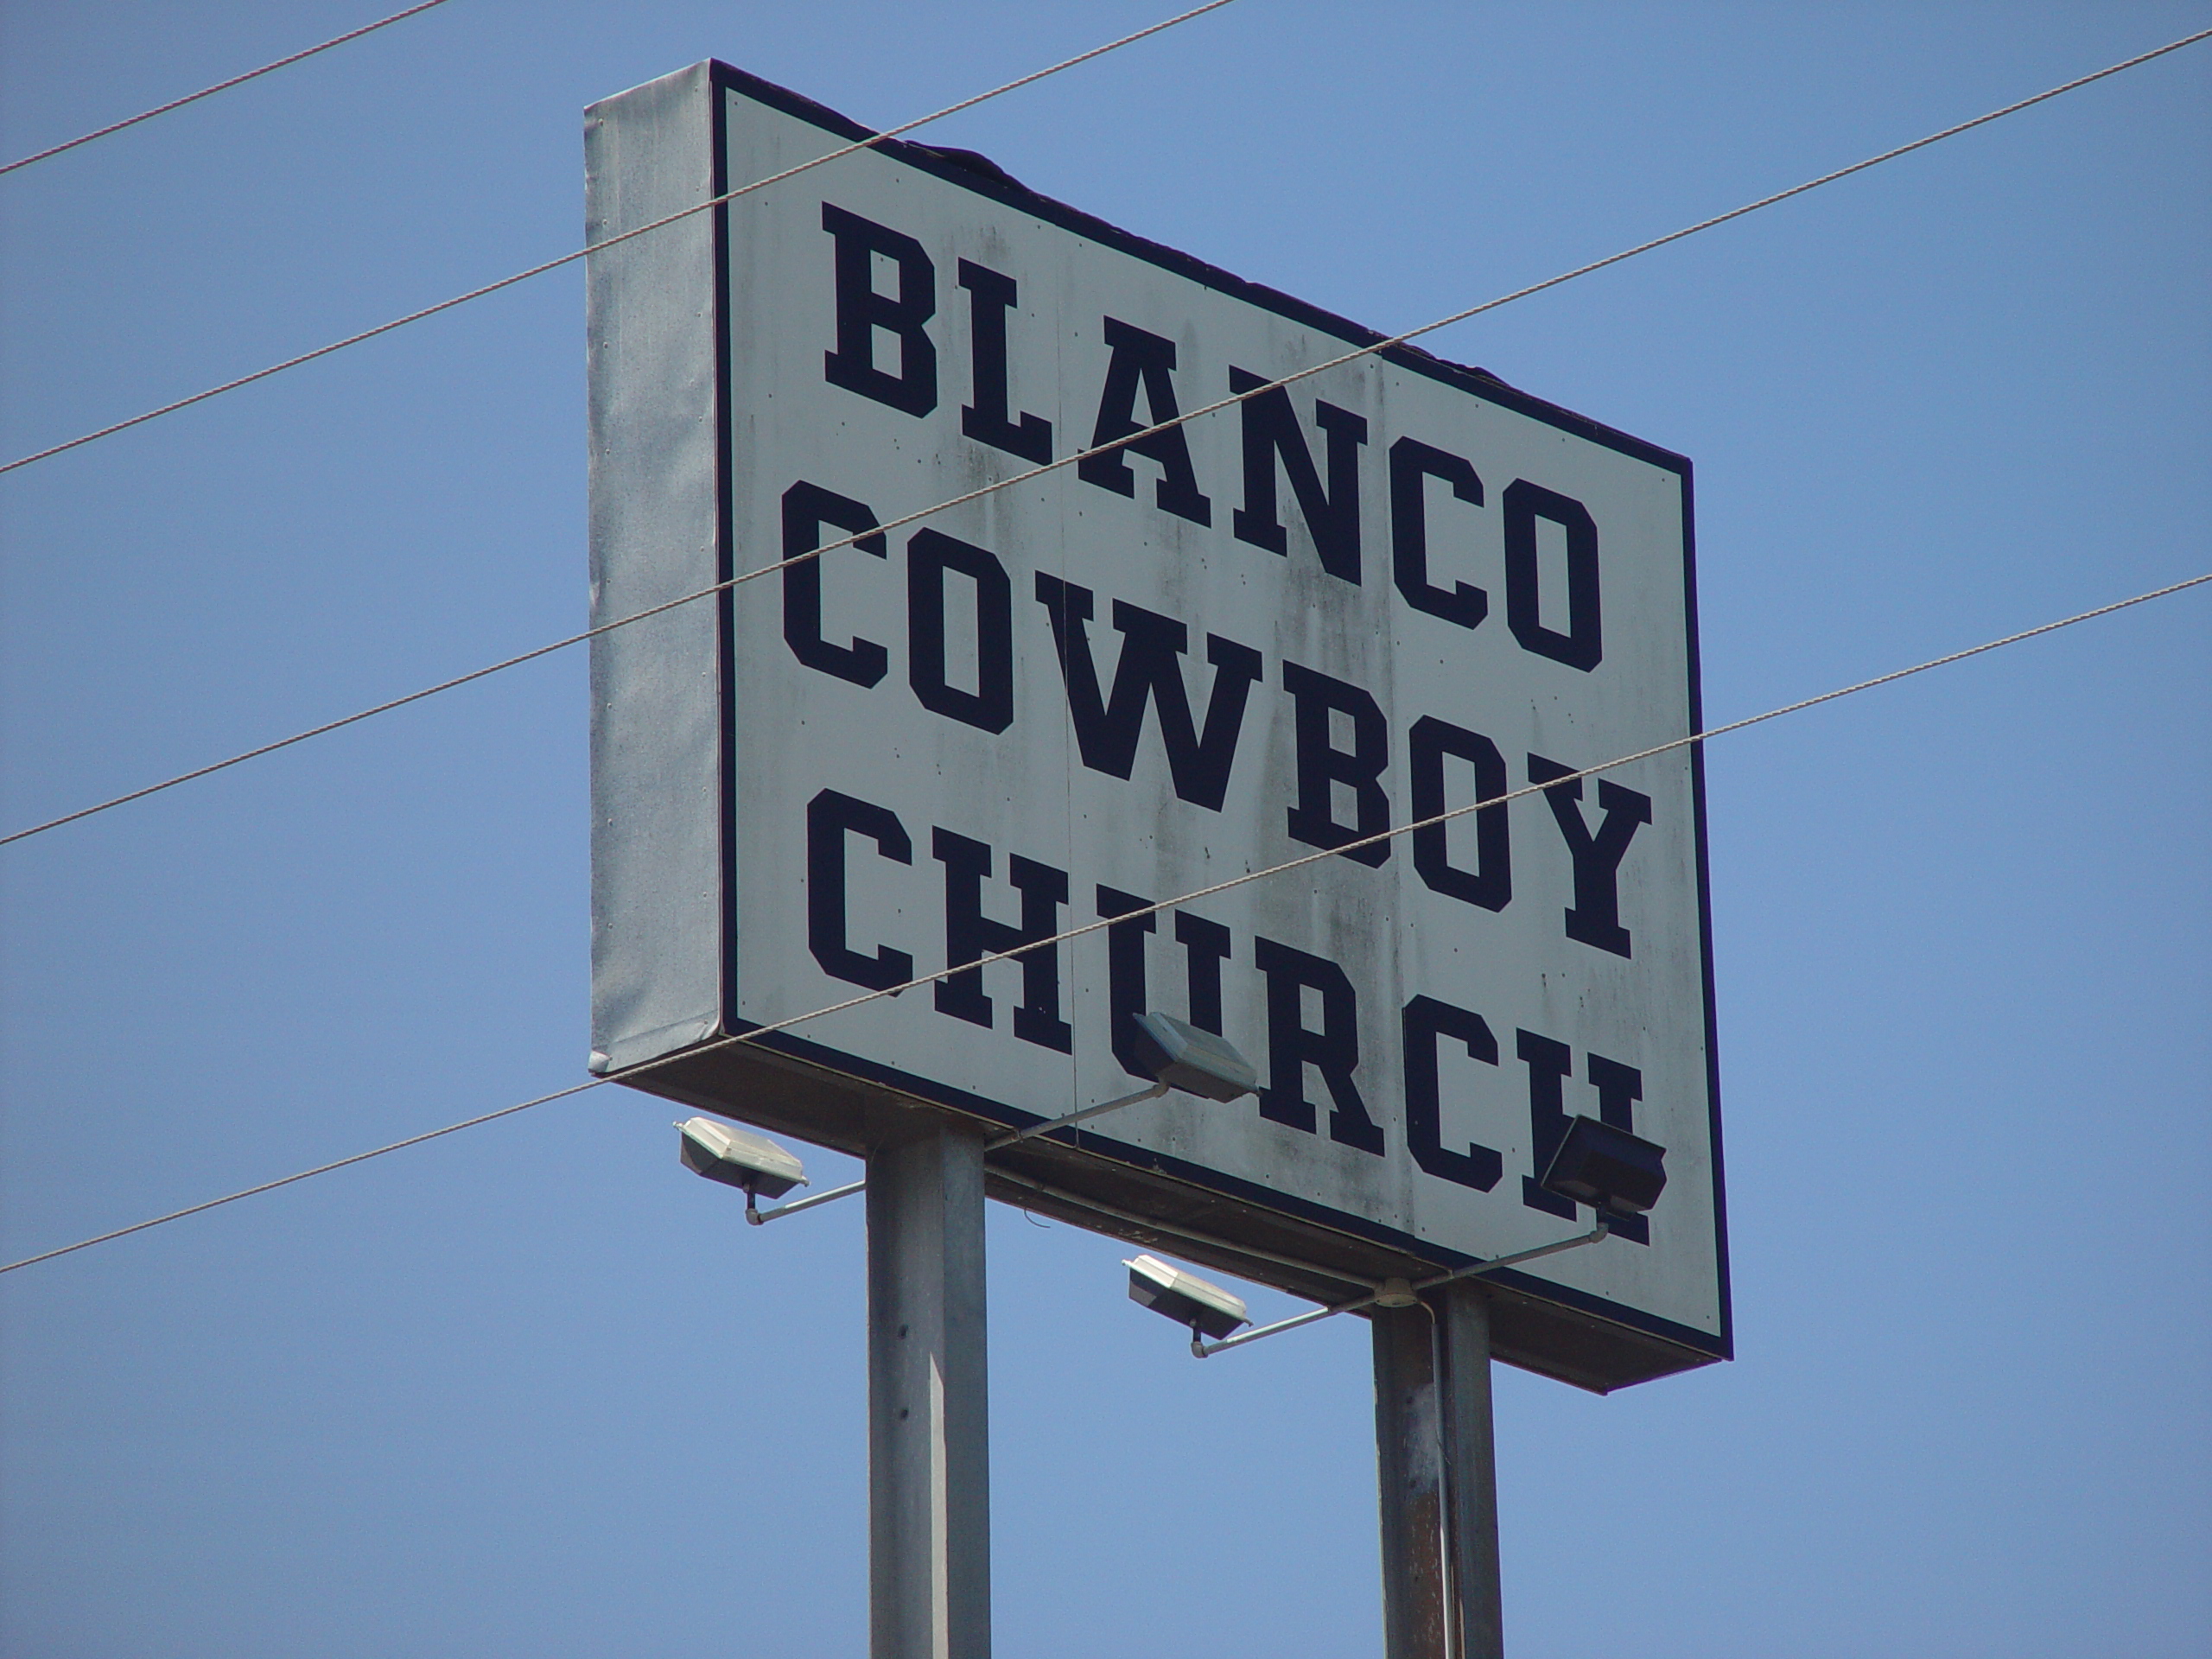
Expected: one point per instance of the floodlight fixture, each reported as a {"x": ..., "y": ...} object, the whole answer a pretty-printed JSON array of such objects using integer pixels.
[
  {"x": 1198, "y": 1062},
  {"x": 1168, "y": 1290},
  {"x": 1615, "y": 1173},
  {"x": 739, "y": 1158}
]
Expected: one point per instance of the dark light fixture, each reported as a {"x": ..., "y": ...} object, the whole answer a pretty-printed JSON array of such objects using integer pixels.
[{"x": 1616, "y": 1172}]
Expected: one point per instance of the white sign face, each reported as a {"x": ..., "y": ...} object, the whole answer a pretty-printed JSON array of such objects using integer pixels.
[{"x": 1391, "y": 588}]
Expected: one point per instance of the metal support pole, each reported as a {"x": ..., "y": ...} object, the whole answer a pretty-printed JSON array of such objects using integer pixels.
[
  {"x": 928, "y": 1445},
  {"x": 1470, "y": 1466},
  {"x": 1409, "y": 1465}
]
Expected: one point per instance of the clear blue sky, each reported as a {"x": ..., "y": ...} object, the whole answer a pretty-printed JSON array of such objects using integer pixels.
[{"x": 533, "y": 1390}]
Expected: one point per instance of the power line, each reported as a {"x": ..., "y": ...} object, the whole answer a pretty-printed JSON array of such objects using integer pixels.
[
  {"x": 1212, "y": 5},
  {"x": 1058, "y": 939},
  {"x": 595, "y": 247},
  {"x": 220, "y": 86},
  {"x": 1379, "y": 345},
  {"x": 320, "y": 1169}
]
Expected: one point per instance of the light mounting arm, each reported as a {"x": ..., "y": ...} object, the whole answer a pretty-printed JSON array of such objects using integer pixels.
[{"x": 1397, "y": 1293}]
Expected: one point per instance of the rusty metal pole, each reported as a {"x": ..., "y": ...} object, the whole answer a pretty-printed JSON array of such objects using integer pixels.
[
  {"x": 1409, "y": 1467},
  {"x": 1470, "y": 1468}
]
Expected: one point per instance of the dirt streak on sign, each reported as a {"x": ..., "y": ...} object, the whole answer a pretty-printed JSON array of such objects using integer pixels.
[{"x": 1393, "y": 587}]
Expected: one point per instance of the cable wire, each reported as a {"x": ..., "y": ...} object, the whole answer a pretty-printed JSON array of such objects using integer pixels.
[
  {"x": 1384, "y": 344},
  {"x": 594, "y": 247},
  {"x": 220, "y": 86},
  {"x": 320, "y": 1169},
  {"x": 630, "y": 1073}
]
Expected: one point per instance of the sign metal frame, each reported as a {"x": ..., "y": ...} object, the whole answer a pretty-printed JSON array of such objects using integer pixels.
[{"x": 792, "y": 1083}]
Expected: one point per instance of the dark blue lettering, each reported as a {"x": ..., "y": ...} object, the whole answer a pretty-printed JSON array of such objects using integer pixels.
[
  {"x": 1333, "y": 1050},
  {"x": 1205, "y": 947},
  {"x": 862, "y": 312},
  {"x": 990, "y": 707},
  {"x": 1322, "y": 766},
  {"x": 1413, "y": 463},
  {"x": 969, "y": 936},
  {"x": 830, "y": 817},
  {"x": 1595, "y": 916},
  {"x": 1145, "y": 361},
  {"x": 1125, "y": 977},
  {"x": 1272, "y": 434},
  {"x": 1582, "y": 644},
  {"x": 1620, "y": 1087},
  {"x": 1490, "y": 884},
  {"x": 807, "y": 507},
  {"x": 1550, "y": 1064},
  {"x": 1150, "y": 670},
  {"x": 1425, "y": 1020},
  {"x": 989, "y": 419}
]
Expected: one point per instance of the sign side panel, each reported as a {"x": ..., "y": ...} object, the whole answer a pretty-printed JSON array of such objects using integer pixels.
[
  {"x": 1723, "y": 1288},
  {"x": 655, "y": 535}
]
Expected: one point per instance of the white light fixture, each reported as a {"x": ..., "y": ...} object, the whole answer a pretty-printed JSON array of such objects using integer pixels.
[
  {"x": 739, "y": 1158},
  {"x": 1168, "y": 1290}
]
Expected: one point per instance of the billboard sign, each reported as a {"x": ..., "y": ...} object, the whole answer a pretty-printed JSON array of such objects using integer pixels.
[{"x": 1395, "y": 586}]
